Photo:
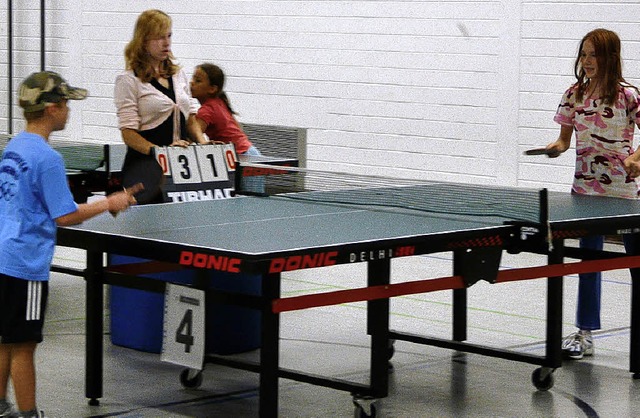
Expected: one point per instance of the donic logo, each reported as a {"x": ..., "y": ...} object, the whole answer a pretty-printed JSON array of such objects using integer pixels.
[
  {"x": 297, "y": 262},
  {"x": 208, "y": 261}
]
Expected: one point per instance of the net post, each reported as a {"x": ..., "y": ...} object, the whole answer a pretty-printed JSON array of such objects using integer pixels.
[
  {"x": 106, "y": 152},
  {"x": 237, "y": 178}
]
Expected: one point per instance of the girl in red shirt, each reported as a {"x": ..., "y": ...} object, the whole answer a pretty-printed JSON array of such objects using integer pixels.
[{"x": 216, "y": 117}]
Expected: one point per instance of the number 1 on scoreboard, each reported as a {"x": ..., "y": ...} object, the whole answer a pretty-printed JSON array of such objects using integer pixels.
[{"x": 211, "y": 162}]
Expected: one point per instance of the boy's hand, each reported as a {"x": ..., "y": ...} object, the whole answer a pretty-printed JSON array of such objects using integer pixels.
[{"x": 120, "y": 201}]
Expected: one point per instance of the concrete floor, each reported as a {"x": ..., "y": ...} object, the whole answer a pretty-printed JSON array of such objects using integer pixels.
[{"x": 425, "y": 381}]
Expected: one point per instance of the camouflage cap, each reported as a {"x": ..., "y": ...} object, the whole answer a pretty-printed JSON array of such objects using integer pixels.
[{"x": 46, "y": 87}]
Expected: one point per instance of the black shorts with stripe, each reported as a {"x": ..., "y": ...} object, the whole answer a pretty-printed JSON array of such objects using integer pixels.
[{"x": 22, "y": 308}]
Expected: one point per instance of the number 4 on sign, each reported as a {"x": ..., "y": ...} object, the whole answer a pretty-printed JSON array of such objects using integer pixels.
[
  {"x": 183, "y": 338},
  {"x": 184, "y": 333}
]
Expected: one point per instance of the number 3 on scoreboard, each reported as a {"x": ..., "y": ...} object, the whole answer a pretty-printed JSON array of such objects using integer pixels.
[{"x": 183, "y": 338}]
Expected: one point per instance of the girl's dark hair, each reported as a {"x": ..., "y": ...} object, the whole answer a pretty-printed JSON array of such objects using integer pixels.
[
  {"x": 216, "y": 78},
  {"x": 607, "y": 48}
]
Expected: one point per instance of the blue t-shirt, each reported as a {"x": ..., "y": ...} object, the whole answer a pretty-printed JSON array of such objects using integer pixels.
[{"x": 33, "y": 193}]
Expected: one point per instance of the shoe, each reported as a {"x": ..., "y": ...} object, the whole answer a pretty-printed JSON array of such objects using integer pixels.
[
  {"x": 38, "y": 414},
  {"x": 578, "y": 345},
  {"x": 8, "y": 412}
]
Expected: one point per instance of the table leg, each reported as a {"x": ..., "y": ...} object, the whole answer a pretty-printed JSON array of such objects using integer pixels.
[
  {"x": 270, "y": 347},
  {"x": 554, "y": 310},
  {"x": 94, "y": 327},
  {"x": 459, "y": 302},
  {"x": 634, "y": 349},
  {"x": 632, "y": 248},
  {"x": 379, "y": 273}
]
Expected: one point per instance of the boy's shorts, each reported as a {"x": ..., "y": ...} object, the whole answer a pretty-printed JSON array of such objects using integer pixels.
[{"x": 22, "y": 308}]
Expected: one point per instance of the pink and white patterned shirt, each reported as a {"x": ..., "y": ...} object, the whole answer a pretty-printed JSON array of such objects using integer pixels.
[{"x": 604, "y": 139}]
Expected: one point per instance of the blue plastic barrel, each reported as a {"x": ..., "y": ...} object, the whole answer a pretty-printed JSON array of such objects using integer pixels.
[{"x": 137, "y": 316}]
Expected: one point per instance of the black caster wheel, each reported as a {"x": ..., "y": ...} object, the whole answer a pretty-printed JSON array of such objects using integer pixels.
[
  {"x": 364, "y": 407},
  {"x": 542, "y": 379},
  {"x": 94, "y": 402},
  {"x": 191, "y": 379}
]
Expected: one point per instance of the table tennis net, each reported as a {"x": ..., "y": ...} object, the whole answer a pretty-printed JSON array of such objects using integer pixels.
[
  {"x": 81, "y": 156},
  {"x": 397, "y": 194}
]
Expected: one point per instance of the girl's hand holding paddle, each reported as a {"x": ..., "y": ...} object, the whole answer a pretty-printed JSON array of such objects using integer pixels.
[
  {"x": 554, "y": 149},
  {"x": 561, "y": 144}
]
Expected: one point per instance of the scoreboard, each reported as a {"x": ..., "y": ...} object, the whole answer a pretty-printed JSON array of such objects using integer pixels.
[{"x": 197, "y": 172}]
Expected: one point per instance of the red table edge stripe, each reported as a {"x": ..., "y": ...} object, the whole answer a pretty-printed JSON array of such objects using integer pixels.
[{"x": 447, "y": 283}]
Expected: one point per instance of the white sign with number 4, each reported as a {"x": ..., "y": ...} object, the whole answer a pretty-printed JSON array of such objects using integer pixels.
[{"x": 183, "y": 338}]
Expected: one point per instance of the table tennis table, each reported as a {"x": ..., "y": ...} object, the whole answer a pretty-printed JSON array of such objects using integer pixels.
[{"x": 276, "y": 234}]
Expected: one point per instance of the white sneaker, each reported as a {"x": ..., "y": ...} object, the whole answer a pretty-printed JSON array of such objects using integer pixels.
[{"x": 578, "y": 344}]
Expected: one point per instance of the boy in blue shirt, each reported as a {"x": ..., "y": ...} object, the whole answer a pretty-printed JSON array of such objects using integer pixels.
[{"x": 34, "y": 200}]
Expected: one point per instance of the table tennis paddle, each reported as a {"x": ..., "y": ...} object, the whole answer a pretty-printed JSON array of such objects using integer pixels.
[
  {"x": 542, "y": 151},
  {"x": 148, "y": 172}
]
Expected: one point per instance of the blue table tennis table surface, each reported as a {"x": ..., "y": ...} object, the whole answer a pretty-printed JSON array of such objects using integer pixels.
[{"x": 265, "y": 225}]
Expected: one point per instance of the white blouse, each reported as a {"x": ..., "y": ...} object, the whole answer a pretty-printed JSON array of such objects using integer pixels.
[{"x": 140, "y": 106}]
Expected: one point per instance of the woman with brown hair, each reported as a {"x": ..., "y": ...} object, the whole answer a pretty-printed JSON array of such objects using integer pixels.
[{"x": 152, "y": 97}]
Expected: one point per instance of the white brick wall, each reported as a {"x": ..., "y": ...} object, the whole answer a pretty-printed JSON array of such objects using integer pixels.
[{"x": 447, "y": 89}]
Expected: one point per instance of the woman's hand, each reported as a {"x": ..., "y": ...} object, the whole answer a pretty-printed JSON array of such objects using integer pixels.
[{"x": 180, "y": 143}]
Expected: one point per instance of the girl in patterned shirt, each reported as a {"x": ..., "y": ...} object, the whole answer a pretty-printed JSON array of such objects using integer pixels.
[{"x": 602, "y": 109}]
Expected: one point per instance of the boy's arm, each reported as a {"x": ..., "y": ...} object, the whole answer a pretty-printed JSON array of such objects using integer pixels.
[{"x": 114, "y": 203}]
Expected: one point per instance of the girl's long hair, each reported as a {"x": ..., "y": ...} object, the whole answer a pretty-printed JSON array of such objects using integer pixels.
[
  {"x": 607, "y": 48},
  {"x": 150, "y": 24},
  {"x": 216, "y": 78}
]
